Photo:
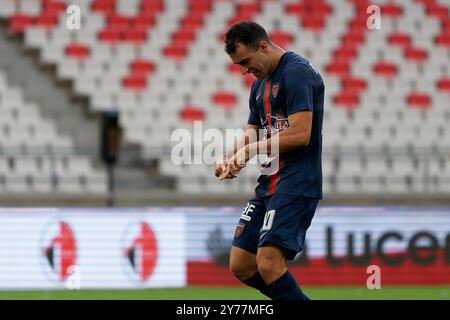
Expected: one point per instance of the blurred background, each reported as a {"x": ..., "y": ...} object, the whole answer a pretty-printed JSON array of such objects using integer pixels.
[{"x": 87, "y": 112}]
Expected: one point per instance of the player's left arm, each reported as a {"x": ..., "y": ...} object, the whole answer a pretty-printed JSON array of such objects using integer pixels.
[{"x": 295, "y": 136}]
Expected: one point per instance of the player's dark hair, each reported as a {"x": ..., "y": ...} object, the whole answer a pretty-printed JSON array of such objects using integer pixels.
[{"x": 248, "y": 33}]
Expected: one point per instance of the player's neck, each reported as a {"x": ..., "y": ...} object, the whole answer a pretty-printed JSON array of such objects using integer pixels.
[{"x": 277, "y": 54}]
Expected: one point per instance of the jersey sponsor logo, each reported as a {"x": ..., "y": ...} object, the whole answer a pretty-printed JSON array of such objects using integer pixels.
[
  {"x": 279, "y": 123},
  {"x": 275, "y": 89}
]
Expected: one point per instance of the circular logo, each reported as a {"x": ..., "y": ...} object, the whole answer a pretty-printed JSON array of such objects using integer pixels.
[
  {"x": 139, "y": 251},
  {"x": 58, "y": 250}
]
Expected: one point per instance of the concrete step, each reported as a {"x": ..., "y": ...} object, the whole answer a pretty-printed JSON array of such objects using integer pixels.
[{"x": 72, "y": 116}]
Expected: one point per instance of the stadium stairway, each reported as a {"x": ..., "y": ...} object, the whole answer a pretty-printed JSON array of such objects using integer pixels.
[
  {"x": 52, "y": 98},
  {"x": 73, "y": 118}
]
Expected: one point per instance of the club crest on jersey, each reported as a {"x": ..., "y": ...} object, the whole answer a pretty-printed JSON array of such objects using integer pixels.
[
  {"x": 239, "y": 229},
  {"x": 275, "y": 89}
]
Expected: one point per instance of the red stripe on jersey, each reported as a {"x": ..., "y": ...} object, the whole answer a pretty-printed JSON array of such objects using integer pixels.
[
  {"x": 273, "y": 179},
  {"x": 267, "y": 108}
]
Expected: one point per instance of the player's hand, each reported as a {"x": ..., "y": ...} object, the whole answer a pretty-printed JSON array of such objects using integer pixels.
[
  {"x": 228, "y": 173},
  {"x": 235, "y": 164},
  {"x": 221, "y": 164}
]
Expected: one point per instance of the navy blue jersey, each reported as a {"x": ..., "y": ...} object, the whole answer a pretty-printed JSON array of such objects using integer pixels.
[{"x": 294, "y": 86}]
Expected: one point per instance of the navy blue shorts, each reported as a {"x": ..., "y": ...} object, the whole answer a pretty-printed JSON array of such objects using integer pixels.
[{"x": 280, "y": 219}]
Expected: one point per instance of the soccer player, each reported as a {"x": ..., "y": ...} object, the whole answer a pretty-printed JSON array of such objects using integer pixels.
[{"x": 286, "y": 103}]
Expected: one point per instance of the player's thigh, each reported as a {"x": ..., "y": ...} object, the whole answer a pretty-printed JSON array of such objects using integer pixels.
[
  {"x": 286, "y": 221},
  {"x": 246, "y": 235},
  {"x": 242, "y": 263}
]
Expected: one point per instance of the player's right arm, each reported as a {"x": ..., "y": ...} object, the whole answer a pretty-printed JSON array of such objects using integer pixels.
[{"x": 250, "y": 136}]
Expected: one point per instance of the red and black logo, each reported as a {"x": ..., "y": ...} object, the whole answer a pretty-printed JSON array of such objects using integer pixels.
[
  {"x": 59, "y": 250},
  {"x": 141, "y": 251}
]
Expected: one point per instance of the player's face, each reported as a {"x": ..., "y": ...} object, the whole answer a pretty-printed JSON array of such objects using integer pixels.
[{"x": 251, "y": 61}]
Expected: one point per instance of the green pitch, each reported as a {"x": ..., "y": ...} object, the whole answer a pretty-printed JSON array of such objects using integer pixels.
[{"x": 236, "y": 293}]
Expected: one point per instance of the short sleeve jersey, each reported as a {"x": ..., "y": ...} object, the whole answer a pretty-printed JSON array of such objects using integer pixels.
[{"x": 294, "y": 86}]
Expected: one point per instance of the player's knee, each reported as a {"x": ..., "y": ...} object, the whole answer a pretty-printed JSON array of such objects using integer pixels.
[
  {"x": 270, "y": 267},
  {"x": 241, "y": 271},
  {"x": 266, "y": 267}
]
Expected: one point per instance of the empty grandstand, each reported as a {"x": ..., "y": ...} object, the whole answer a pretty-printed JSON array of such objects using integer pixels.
[{"x": 161, "y": 66}]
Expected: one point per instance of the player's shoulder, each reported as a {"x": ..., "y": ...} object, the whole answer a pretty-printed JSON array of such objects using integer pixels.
[{"x": 298, "y": 66}]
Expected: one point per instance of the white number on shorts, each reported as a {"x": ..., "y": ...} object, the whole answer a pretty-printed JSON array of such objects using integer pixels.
[{"x": 268, "y": 220}]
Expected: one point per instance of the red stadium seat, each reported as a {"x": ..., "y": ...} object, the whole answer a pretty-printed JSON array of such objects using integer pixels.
[
  {"x": 234, "y": 68},
  {"x": 135, "y": 36},
  {"x": 399, "y": 39},
  {"x": 19, "y": 22},
  {"x": 446, "y": 25},
  {"x": 281, "y": 38},
  {"x": 437, "y": 10},
  {"x": 153, "y": 6},
  {"x": 142, "y": 23},
  {"x": 240, "y": 17},
  {"x": 352, "y": 40},
  {"x": 358, "y": 24},
  {"x": 77, "y": 51},
  {"x": 134, "y": 83},
  {"x": 392, "y": 10},
  {"x": 344, "y": 54},
  {"x": 443, "y": 84},
  {"x": 426, "y": 2},
  {"x": 105, "y": 6},
  {"x": 183, "y": 36},
  {"x": 321, "y": 8},
  {"x": 442, "y": 40},
  {"x": 419, "y": 100},
  {"x": 315, "y": 23},
  {"x": 347, "y": 99},
  {"x": 248, "y": 7},
  {"x": 46, "y": 21},
  {"x": 193, "y": 21},
  {"x": 296, "y": 9},
  {"x": 385, "y": 69},
  {"x": 244, "y": 11},
  {"x": 353, "y": 84},
  {"x": 248, "y": 80},
  {"x": 416, "y": 54},
  {"x": 191, "y": 114},
  {"x": 110, "y": 36},
  {"x": 53, "y": 7},
  {"x": 338, "y": 69},
  {"x": 175, "y": 52},
  {"x": 200, "y": 5},
  {"x": 142, "y": 67},
  {"x": 224, "y": 99},
  {"x": 118, "y": 23}
]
